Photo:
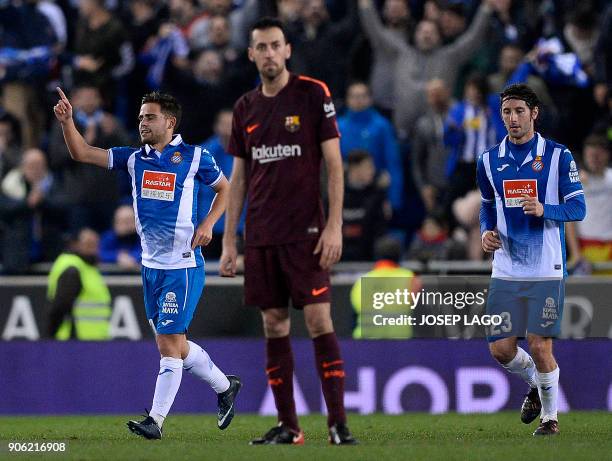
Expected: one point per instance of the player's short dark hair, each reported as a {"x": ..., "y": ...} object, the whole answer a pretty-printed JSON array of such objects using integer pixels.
[
  {"x": 355, "y": 157},
  {"x": 167, "y": 104},
  {"x": 522, "y": 92},
  {"x": 269, "y": 22}
]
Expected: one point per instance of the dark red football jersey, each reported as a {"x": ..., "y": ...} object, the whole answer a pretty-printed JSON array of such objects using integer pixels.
[{"x": 280, "y": 138}]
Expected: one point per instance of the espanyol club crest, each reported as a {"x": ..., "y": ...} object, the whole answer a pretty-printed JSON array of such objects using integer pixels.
[
  {"x": 537, "y": 165},
  {"x": 292, "y": 123},
  {"x": 176, "y": 158}
]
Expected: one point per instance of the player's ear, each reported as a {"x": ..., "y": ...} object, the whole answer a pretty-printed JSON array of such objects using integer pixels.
[
  {"x": 250, "y": 54},
  {"x": 288, "y": 51},
  {"x": 535, "y": 112},
  {"x": 171, "y": 122}
]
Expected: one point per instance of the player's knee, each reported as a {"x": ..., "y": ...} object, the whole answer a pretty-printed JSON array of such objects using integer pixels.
[
  {"x": 275, "y": 326},
  {"x": 318, "y": 325},
  {"x": 170, "y": 345},
  {"x": 540, "y": 350},
  {"x": 501, "y": 352}
]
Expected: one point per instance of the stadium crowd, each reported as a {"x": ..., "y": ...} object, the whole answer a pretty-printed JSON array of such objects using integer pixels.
[{"x": 415, "y": 84}]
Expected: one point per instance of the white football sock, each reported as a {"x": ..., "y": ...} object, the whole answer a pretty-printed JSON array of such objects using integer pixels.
[
  {"x": 522, "y": 364},
  {"x": 168, "y": 382},
  {"x": 548, "y": 389},
  {"x": 199, "y": 364}
]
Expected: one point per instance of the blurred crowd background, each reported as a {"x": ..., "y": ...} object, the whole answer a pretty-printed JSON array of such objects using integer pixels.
[{"x": 415, "y": 85}]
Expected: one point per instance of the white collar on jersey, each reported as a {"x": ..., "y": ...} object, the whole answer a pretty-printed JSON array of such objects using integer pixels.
[
  {"x": 539, "y": 150},
  {"x": 176, "y": 140}
]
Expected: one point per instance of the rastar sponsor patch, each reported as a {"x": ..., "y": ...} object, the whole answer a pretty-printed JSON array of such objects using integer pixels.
[
  {"x": 158, "y": 185},
  {"x": 514, "y": 189}
]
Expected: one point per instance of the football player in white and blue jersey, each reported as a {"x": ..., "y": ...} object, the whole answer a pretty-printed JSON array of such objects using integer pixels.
[
  {"x": 530, "y": 187},
  {"x": 166, "y": 175}
]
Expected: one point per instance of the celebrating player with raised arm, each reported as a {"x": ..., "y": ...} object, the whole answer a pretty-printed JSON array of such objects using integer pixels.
[
  {"x": 166, "y": 176},
  {"x": 281, "y": 132},
  {"x": 530, "y": 187}
]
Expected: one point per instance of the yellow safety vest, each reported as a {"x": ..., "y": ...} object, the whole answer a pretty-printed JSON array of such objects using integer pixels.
[
  {"x": 383, "y": 269},
  {"x": 92, "y": 309}
]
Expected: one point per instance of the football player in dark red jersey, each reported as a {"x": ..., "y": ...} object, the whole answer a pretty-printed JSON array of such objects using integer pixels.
[{"x": 281, "y": 132}]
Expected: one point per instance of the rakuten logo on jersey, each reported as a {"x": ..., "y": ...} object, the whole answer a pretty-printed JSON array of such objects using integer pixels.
[{"x": 267, "y": 154}]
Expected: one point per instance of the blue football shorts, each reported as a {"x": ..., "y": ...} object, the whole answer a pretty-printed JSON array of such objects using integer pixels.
[
  {"x": 532, "y": 306},
  {"x": 171, "y": 297}
]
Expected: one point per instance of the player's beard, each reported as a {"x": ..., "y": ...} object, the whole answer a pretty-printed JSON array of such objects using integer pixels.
[
  {"x": 150, "y": 138},
  {"x": 270, "y": 73}
]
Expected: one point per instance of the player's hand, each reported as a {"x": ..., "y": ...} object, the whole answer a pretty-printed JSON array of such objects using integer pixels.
[
  {"x": 491, "y": 241},
  {"x": 532, "y": 206},
  {"x": 330, "y": 246},
  {"x": 63, "y": 109},
  {"x": 227, "y": 263},
  {"x": 202, "y": 236}
]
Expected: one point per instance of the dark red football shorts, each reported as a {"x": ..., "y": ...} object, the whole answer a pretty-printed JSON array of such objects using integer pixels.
[{"x": 275, "y": 274}]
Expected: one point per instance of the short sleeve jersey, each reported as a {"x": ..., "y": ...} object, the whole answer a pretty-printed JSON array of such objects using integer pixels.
[
  {"x": 531, "y": 247},
  {"x": 280, "y": 140},
  {"x": 165, "y": 189}
]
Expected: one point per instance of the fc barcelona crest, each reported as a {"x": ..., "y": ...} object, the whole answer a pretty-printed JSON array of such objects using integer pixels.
[
  {"x": 537, "y": 165},
  {"x": 292, "y": 123}
]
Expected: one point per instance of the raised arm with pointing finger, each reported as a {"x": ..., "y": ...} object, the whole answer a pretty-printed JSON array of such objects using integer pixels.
[{"x": 77, "y": 146}]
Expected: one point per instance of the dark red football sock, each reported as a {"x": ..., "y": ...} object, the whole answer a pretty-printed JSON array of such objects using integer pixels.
[
  {"x": 279, "y": 368},
  {"x": 331, "y": 371}
]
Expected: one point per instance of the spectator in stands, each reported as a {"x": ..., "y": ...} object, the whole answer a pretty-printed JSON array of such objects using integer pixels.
[
  {"x": 414, "y": 66},
  {"x": 97, "y": 48},
  {"x": 366, "y": 209},
  {"x": 142, "y": 25},
  {"x": 239, "y": 22},
  {"x": 603, "y": 60},
  {"x": 203, "y": 85},
  {"x": 363, "y": 127},
  {"x": 432, "y": 242},
  {"x": 432, "y": 10},
  {"x": 452, "y": 21},
  {"x": 32, "y": 211},
  {"x": 121, "y": 244},
  {"x": 217, "y": 146},
  {"x": 320, "y": 47},
  {"x": 429, "y": 153},
  {"x": 398, "y": 21},
  {"x": 581, "y": 33},
  {"x": 469, "y": 130},
  {"x": 57, "y": 19},
  {"x": 10, "y": 142},
  {"x": 93, "y": 192},
  {"x": 27, "y": 48},
  {"x": 510, "y": 57},
  {"x": 235, "y": 61},
  {"x": 465, "y": 211},
  {"x": 594, "y": 234},
  {"x": 80, "y": 300}
]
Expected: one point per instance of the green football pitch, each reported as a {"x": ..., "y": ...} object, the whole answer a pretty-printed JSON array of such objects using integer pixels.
[{"x": 412, "y": 436}]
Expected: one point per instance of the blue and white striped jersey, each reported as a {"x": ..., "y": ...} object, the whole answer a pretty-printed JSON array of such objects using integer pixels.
[
  {"x": 531, "y": 247},
  {"x": 164, "y": 190}
]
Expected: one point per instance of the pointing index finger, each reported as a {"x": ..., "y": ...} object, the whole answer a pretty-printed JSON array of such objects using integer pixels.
[{"x": 61, "y": 93}]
